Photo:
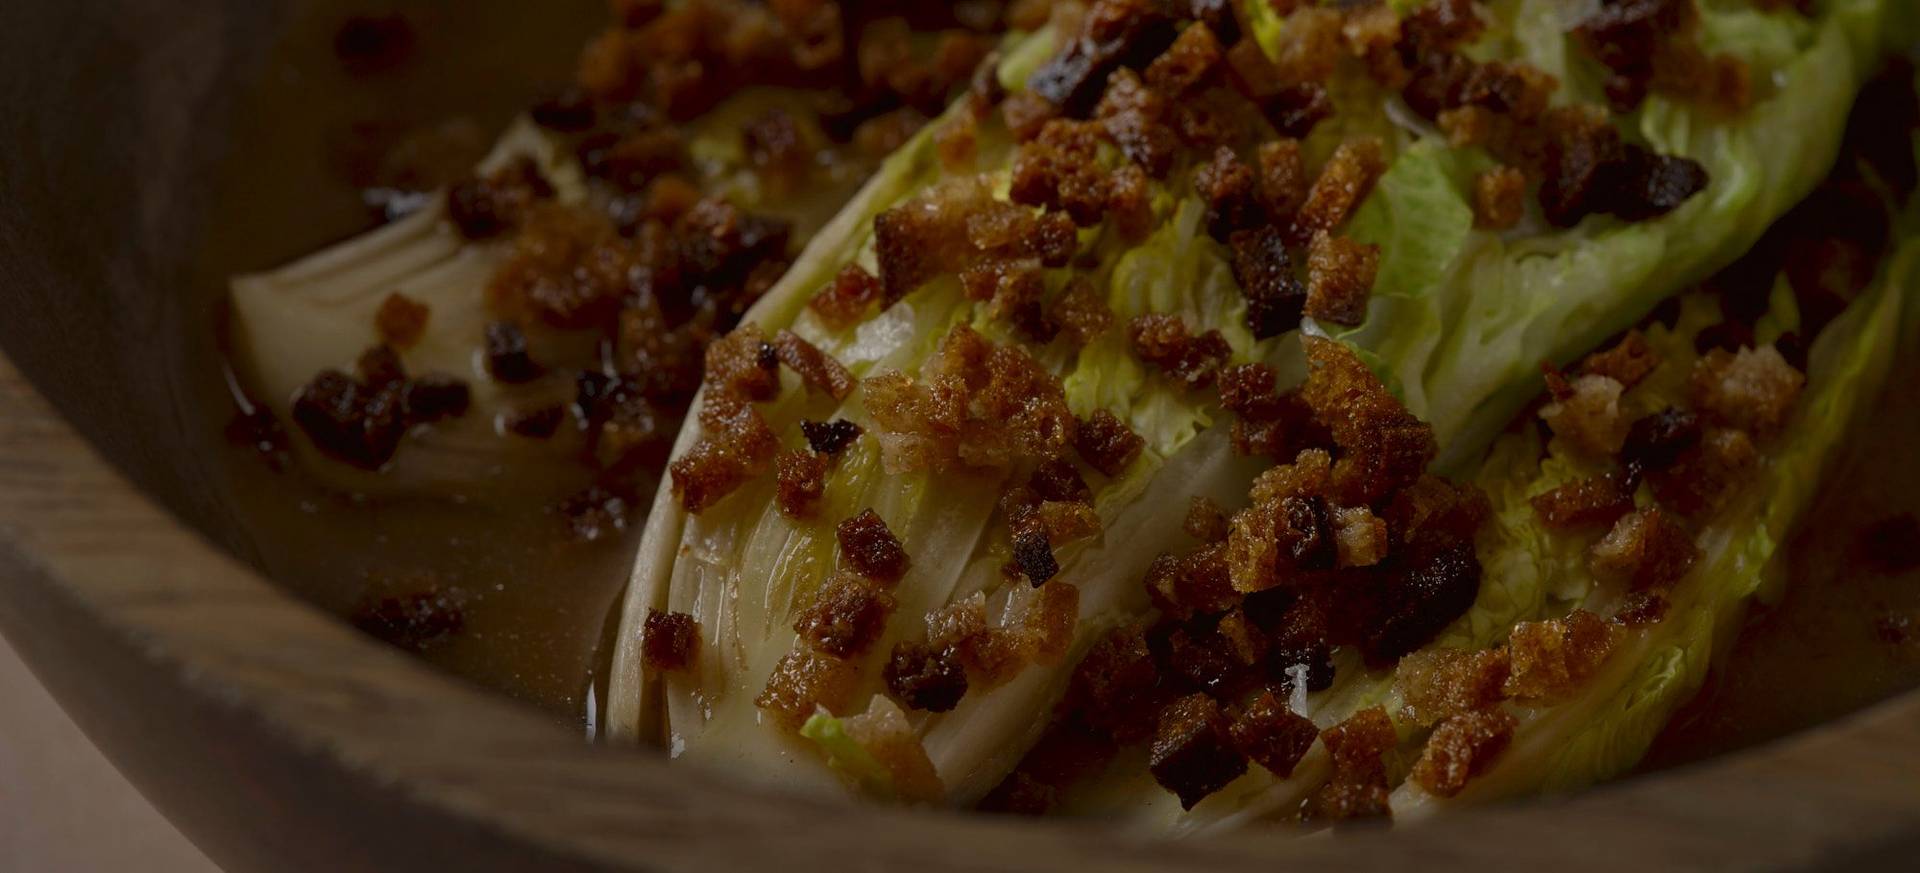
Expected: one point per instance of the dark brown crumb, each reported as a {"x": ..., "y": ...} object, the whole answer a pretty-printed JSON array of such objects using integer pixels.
[
  {"x": 595, "y": 514},
  {"x": 1642, "y": 608},
  {"x": 870, "y": 549},
  {"x": 570, "y": 110},
  {"x": 1112, "y": 686},
  {"x": 802, "y": 482},
  {"x": 1265, "y": 273},
  {"x": 923, "y": 679},
  {"x": 1659, "y": 440},
  {"x": 508, "y": 359},
  {"x": 538, "y": 424},
  {"x": 401, "y": 320},
  {"x": 670, "y": 641},
  {"x": 1228, "y": 186},
  {"x": 830, "y": 437},
  {"x": 1461, "y": 748},
  {"x": 416, "y": 622},
  {"x": 847, "y": 616},
  {"x": 484, "y": 208},
  {"x": 380, "y": 367},
  {"x": 350, "y": 422},
  {"x": 1033, "y": 555},
  {"x": 1700, "y": 479},
  {"x": 1274, "y": 736},
  {"x": 1106, "y": 443},
  {"x": 976, "y": 404},
  {"x": 1193, "y": 752},
  {"x": 1165, "y": 342}
]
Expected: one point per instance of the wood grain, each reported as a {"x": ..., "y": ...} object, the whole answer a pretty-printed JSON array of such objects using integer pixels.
[{"x": 280, "y": 740}]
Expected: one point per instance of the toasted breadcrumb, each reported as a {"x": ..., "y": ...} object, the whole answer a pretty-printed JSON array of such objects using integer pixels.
[
  {"x": 1552, "y": 658},
  {"x": 1462, "y": 747}
]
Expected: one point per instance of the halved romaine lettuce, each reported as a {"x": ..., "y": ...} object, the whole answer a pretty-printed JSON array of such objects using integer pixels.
[
  {"x": 318, "y": 313},
  {"x": 1615, "y": 717},
  {"x": 1460, "y": 320}
]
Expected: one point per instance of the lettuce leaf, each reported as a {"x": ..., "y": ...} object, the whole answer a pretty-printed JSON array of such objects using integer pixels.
[{"x": 1608, "y": 727}]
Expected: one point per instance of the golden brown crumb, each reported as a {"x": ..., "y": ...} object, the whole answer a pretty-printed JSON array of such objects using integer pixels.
[
  {"x": 744, "y": 365},
  {"x": 1345, "y": 180},
  {"x": 803, "y": 681},
  {"x": 1588, "y": 416},
  {"x": 884, "y": 732},
  {"x": 1627, "y": 362},
  {"x": 1438, "y": 684},
  {"x": 1283, "y": 178},
  {"x": 1384, "y": 447},
  {"x": 1197, "y": 582},
  {"x": 1551, "y": 658},
  {"x": 1461, "y": 748},
  {"x": 1593, "y": 501},
  {"x": 1048, "y": 621},
  {"x": 1309, "y": 45},
  {"x": 1307, "y": 476},
  {"x": 1206, "y": 521},
  {"x": 1082, "y": 312},
  {"x": 1752, "y": 389},
  {"x": 816, "y": 368},
  {"x": 401, "y": 320},
  {"x": 1358, "y": 787},
  {"x": 977, "y": 404},
  {"x": 845, "y": 302},
  {"x": 1340, "y": 275},
  {"x": 1360, "y": 537},
  {"x": 1193, "y": 57},
  {"x": 1499, "y": 198},
  {"x": 954, "y": 623},
  {"x": 958, "y": 142},
  {"x": 1646, "y": 549}
]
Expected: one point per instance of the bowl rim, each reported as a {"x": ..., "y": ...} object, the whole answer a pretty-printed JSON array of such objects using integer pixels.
[{"x": 82, "y": 548}]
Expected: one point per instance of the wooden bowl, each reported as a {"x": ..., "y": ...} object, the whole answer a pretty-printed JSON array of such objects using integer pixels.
[{"x": 279, "y": 739}]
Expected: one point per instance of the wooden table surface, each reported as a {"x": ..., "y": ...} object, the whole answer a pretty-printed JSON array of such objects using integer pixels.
[{"x": 67, "y": 808}]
